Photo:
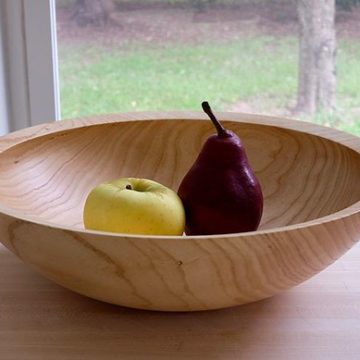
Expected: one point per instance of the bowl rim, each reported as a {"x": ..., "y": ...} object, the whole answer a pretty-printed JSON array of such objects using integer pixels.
[{"x": 57, "y": 127}]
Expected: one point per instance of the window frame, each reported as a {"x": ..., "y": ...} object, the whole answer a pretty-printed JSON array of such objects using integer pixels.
[{"x": 29, "y": 79}]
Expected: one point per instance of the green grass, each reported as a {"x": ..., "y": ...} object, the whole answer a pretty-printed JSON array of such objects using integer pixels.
[{"x": 96, "y": 80}]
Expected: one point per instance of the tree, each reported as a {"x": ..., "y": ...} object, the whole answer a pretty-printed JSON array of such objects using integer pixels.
[
  {"x": 200, "y": 6},
  {"x": 347, "y": 4},
  {"x": 317, "y": 56},
  {"x": 94, "y": 12}
]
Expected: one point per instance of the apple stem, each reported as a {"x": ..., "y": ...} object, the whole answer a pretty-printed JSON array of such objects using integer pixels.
[
  {"x": 128, "y": 187},
  {"x": 207, "y": 109}
]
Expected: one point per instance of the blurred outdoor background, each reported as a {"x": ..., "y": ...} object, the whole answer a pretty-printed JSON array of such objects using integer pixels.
[{"x": 240, "y": 55}]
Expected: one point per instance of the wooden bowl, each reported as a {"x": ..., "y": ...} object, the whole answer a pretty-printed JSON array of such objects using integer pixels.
[{"x": 309, "y": 174}]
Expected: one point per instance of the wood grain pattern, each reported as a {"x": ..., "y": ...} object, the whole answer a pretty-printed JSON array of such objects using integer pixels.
[{"x": 309, "y": 176}]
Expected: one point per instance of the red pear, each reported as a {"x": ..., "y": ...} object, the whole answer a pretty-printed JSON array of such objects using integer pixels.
[{"x": 220, "y": 192}]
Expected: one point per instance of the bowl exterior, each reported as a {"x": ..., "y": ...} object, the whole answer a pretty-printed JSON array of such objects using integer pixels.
[{"x": 181, "y": 274}]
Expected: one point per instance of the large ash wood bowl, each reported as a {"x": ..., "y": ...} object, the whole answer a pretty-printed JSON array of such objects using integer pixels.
[{"x": 310, "y": 177}]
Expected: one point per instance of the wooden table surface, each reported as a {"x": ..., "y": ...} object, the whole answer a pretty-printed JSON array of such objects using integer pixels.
[{"x": 319, "y": 319}]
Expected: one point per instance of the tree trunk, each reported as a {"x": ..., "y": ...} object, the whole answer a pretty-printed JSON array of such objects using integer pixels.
[
  {"x": 93, "y": 12},
  {"x": 317, "y": 56}
]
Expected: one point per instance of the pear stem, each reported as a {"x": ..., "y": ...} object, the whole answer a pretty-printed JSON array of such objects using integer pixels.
[{"x": 207, "y": 109}]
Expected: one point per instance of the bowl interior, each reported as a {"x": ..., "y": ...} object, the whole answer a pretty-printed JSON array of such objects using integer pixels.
[{"x": 303, "y": 176}]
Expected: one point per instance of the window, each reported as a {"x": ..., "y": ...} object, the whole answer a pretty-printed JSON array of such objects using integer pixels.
[
  {"x": 120, "y": 55},
  {"x": 171, "y": 55},
  {"x": 29, "y": 59}
]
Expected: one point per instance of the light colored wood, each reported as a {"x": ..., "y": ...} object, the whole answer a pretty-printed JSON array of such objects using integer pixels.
[
  {"x": 318, "y": 320},
  {"x": 309, "y": 175}
]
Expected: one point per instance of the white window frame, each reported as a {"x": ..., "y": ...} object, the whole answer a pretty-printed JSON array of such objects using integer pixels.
[{"x": 29, "y": 82}]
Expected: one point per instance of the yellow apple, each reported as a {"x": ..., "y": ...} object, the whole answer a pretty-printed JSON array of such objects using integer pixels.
[{"x": 134, "y": 206}]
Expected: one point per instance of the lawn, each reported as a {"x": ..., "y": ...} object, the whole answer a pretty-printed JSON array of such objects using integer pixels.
[{"x": 260, "y": 72}]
